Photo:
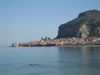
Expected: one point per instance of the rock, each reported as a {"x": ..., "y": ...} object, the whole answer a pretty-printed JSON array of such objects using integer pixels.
[
  {"x": 83, "y": 32},
  {"x": 91, "y": 20}
]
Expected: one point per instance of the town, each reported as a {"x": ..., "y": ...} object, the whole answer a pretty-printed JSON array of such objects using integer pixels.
[{"x": 47, "y": 41}]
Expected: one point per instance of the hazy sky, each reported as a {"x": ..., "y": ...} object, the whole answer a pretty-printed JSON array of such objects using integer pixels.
[{"x": 28, "y": 20}]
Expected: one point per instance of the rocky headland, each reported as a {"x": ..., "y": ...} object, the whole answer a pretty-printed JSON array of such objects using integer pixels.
[
  {"x": 83, "y": 30},
  {"x": 88, "y": 20}
]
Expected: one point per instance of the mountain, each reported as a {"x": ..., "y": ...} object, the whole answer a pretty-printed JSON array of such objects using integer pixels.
[{"x": 87, "y": 24}]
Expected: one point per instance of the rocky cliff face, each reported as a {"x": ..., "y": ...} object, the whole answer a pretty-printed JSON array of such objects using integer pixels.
[{"x": 87, "y": 24}]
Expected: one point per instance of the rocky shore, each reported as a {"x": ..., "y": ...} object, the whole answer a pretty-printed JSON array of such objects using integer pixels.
[{"x": 47, "y": 41}]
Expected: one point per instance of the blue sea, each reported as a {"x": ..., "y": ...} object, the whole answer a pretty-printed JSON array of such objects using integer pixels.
[{"x": 50, "y": 61}]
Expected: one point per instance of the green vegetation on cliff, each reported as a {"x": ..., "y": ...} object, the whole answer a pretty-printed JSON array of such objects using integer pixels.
[{"x": 90, "y": 18}]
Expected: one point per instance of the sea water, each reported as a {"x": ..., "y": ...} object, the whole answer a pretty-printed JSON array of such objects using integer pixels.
[{"x": 50, "y": 61}]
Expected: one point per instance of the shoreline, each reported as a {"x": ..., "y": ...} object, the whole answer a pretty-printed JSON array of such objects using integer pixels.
[
  {"x": 75, "y": 46},
  {"x": 60, "y": 46}
]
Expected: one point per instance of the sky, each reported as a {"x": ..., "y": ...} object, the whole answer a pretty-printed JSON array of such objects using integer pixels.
[{"x": 29, "y": 20}]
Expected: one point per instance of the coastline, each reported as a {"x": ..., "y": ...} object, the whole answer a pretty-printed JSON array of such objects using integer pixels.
[
  {"x": 59, "y": 46},
  {"x": 75, "y": 46}
]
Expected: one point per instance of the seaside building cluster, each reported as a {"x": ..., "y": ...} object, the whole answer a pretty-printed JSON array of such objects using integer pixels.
[{"x": 47, "y": 41}]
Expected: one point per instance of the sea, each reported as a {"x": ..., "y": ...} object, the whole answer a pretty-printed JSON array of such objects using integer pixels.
[{"x": 50, "y": 60}]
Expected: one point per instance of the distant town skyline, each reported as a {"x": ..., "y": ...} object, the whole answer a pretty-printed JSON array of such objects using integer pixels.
[{"x": 28, "y": 20}]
